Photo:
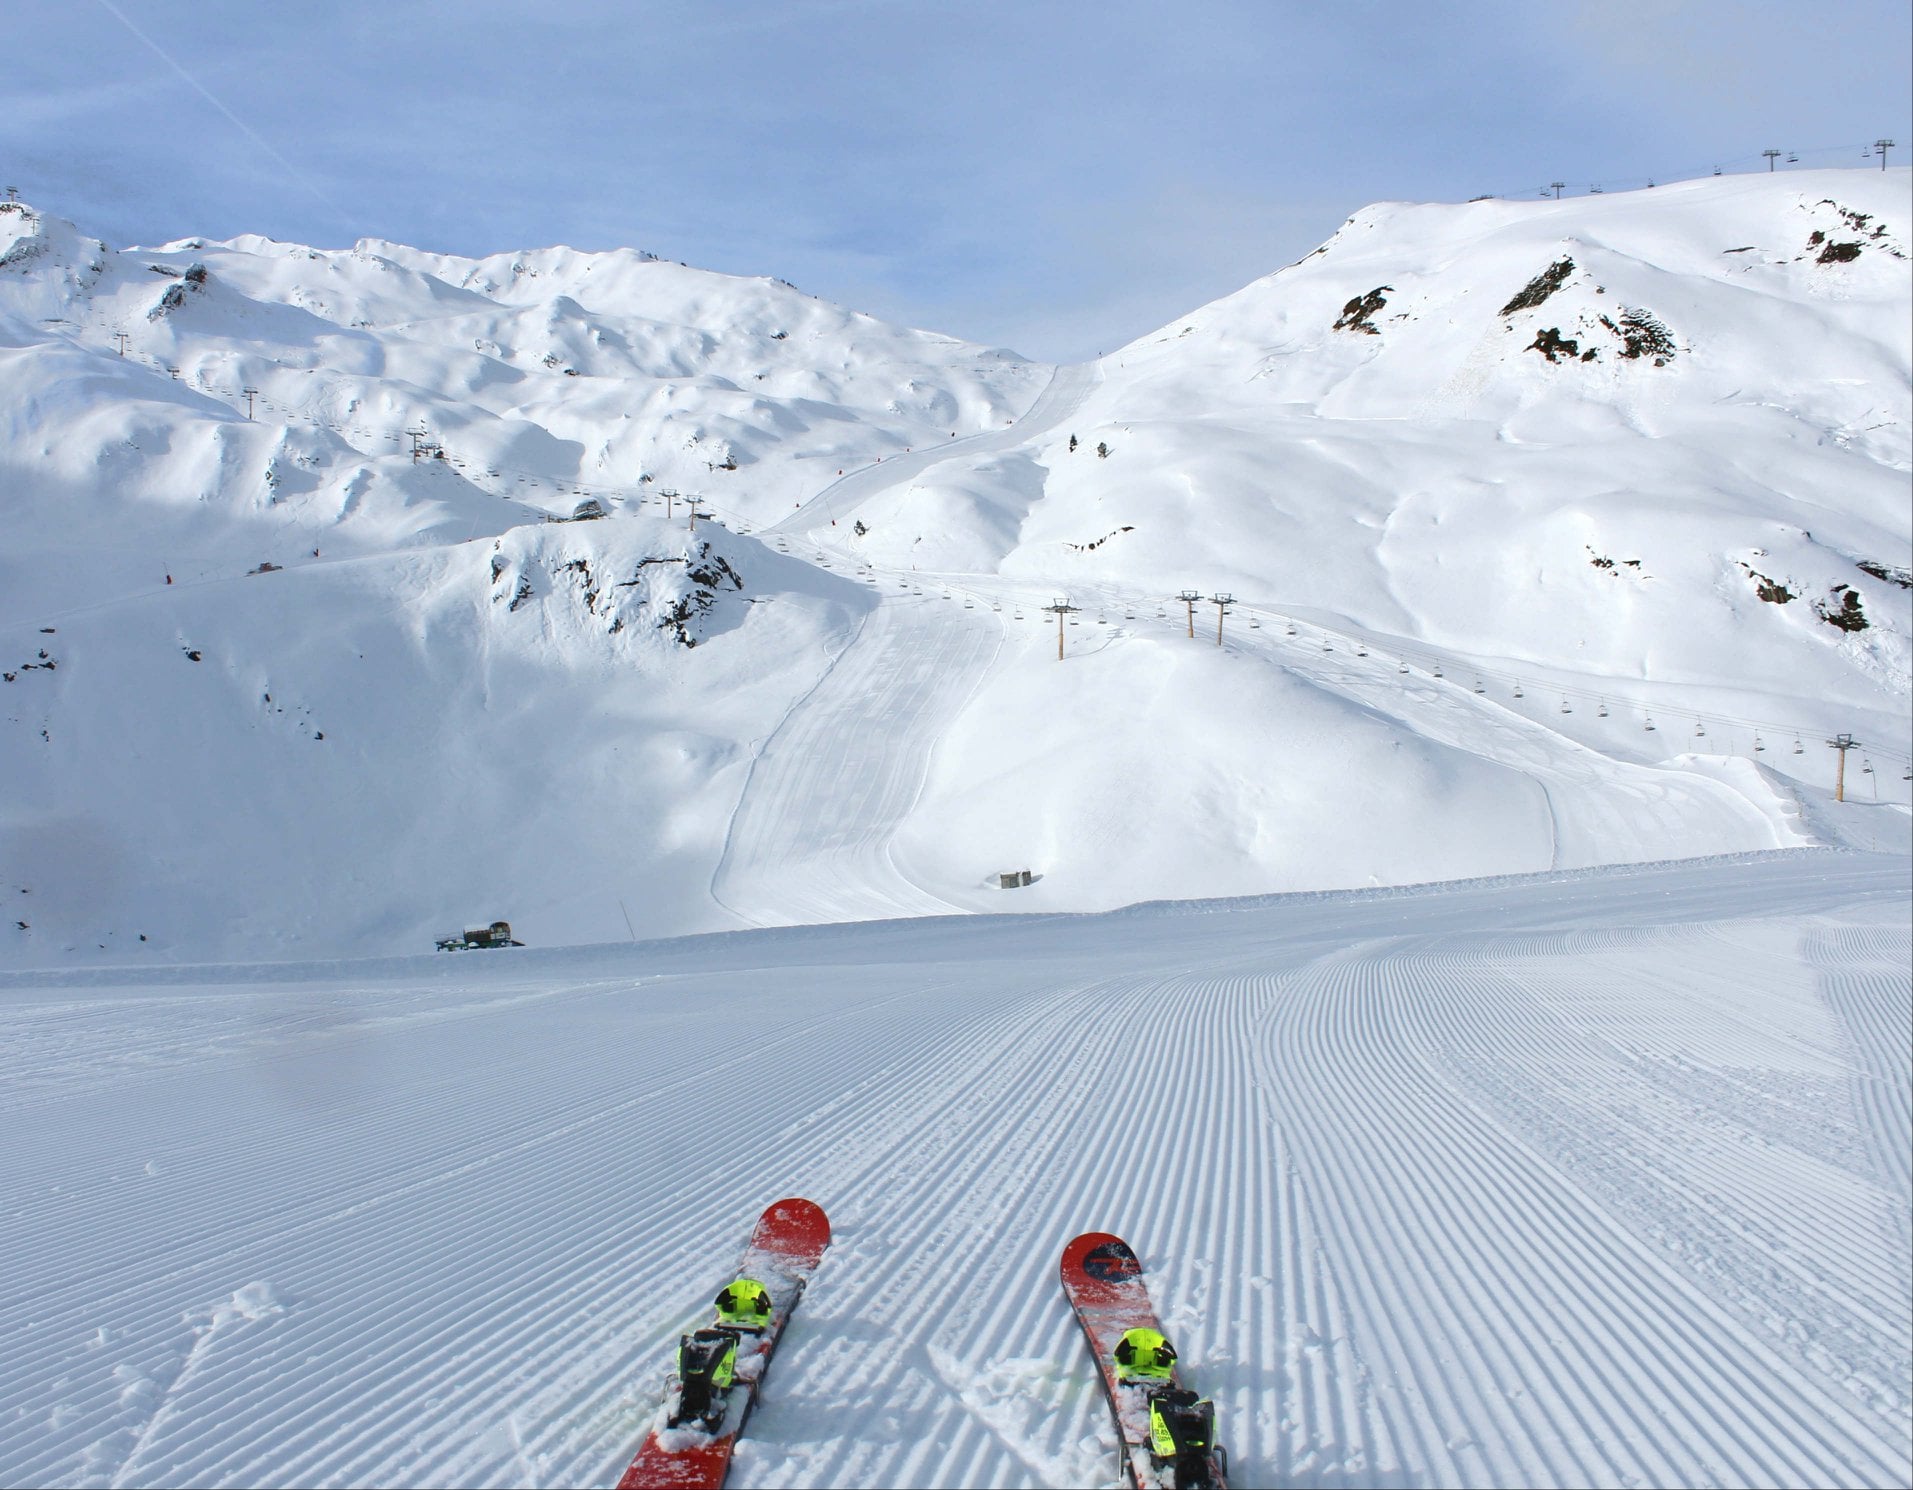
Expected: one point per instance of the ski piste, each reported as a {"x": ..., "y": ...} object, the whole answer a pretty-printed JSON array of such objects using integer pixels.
[
  {"x": 784, "y": 1250},
  {"x": 1104, "y": 1281}
]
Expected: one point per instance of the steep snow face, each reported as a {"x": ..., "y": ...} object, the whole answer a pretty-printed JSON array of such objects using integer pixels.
[{"x": 1662, "y": 435}]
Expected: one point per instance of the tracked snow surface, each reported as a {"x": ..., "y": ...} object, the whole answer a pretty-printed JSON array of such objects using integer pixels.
[
  {"x": 1445, "y": 962},
  {"x": 1569, "y": 1179}
]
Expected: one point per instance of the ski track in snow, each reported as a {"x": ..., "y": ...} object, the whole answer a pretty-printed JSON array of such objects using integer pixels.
[
  {"x": 810, "y": 839},
  {"x": 1588, "y": 1179}
]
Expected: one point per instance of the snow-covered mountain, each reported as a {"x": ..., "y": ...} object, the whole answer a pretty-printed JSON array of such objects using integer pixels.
[
  {"x": 1496, "y": 487},
  {"x": 1656, "y": 435}
]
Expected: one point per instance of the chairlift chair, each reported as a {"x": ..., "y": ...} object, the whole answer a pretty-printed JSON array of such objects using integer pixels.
[
  {"x": 1517, "y": 691},
  {"x": 1566, "y": 707}
]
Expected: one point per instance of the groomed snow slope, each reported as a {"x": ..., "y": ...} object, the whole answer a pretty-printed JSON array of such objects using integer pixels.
[{"x": 1592, "y": 1178}]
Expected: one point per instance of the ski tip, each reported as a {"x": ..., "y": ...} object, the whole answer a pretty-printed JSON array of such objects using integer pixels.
[
  {"x": 795, "y": 1226},
  {"x": 1102, "y": 1256}
]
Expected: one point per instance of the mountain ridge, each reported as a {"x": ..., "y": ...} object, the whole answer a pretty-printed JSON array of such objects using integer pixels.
[{"x": 341, "y": 674}]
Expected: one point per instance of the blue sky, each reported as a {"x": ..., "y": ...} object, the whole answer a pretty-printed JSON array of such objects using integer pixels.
[{"x": 1049, "y": 175}]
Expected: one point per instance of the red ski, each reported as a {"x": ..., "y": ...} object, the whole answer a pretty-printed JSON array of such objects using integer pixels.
[
  {"x": 1105, "y": 1285},
  {"x": 784, "y": 1251}
]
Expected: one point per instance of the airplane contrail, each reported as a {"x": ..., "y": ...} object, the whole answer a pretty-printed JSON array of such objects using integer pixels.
[{"x": 240, "y": 124}]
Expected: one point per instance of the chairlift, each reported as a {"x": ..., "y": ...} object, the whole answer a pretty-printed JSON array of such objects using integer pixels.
[
  {"x": 1866, "y": 766},
  {"x": 1650, "y": 723},
  {"x": 1327, "y": 645},
  {"x": 1793, "y": 160},
  {"x": 1102, "y": 620},
  {"x": 969, "y": 605},
  {"x": 1129, "y": 615},
  {"x": 1401, "y": 667},
  {"x": 1517, "y": 691},
  {"x": 1759, "y": 745},
  {"x": 1699, "y": 728},
  {"x": 1361, "y": 649},
  {"x": 1291, "y": 628},
  {"x": 1254, "y": 624},
  {"x": 1798, "y": 748},
  {"x": 1566, "y": 707},
  {"x": 1602, "y": 711}
]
